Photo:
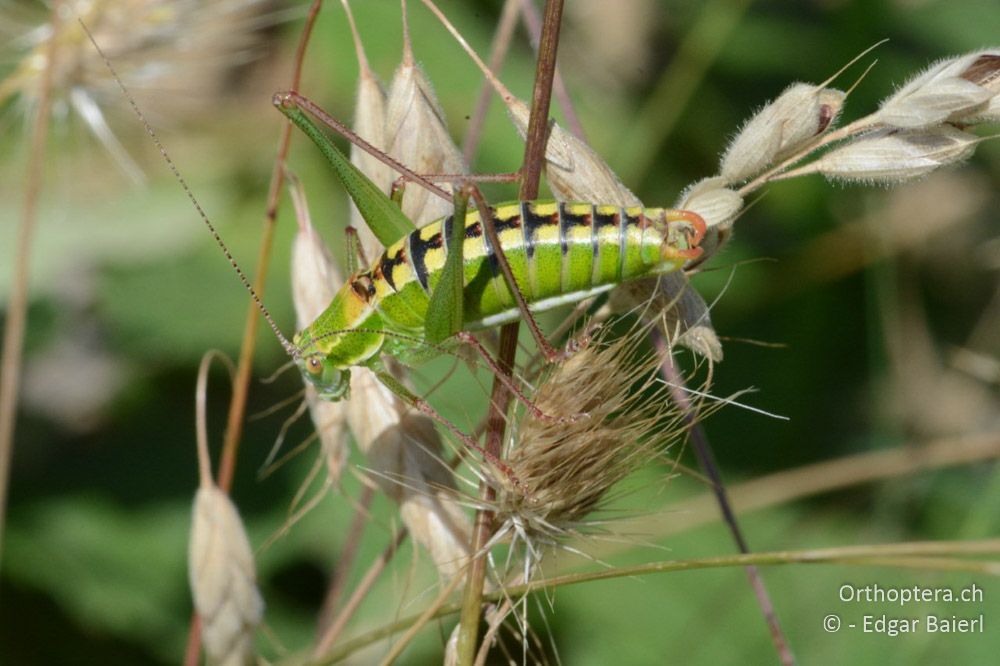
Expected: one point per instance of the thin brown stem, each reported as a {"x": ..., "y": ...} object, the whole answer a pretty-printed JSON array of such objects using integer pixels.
[
  {"x": 244, "y": 367},
  {"x": 192, "y": 650},
  {"x": 483, "y": 526},
  {"x": 706, "y": 461},
  {"x": 339, "y": 623},
  {"x": 342, "y": 568},
  {"x": 241, "y": 383},
  {"x": 498, "y": 52},
  {"x": 532, "y": 21},
  {"x": 335, "y": 627},
  {"x": 418, "y": 624},
  {"x": 17, "y": 310},
  {"x": 500, "y": 397},
  {"x": 541, "y": 97}
]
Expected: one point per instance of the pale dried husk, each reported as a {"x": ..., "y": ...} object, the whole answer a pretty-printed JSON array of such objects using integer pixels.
[
  {"x": 417, "y": 135},
  {"x": 939, "y": 93},
  {"x": 894, "y": 156},
  {"x": 403, "y": 448},
  {"x": 369, "y": 124},
  {"x": 404, "y": 453},
  {"x": 223, "y": 579},
  {"x": 314, "y": 276},
  {"x": 779, "y": 129}
]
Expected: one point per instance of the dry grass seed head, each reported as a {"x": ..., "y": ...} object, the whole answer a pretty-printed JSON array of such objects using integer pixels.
[
  {"x": 566, "y": 469},
  {"x": 221, "y": 568},
  {"x": 175, "y": 52},
  {"x": 417, "y": 135},
  {"x": 718, "y": 206},
  {"x": 949, "y": 89},
  {"x": 404, "y": 453},
  {"x": 223, "y": 578},
  {"x": 894, "y": 156},
  {"x": 370, "y": 125},
  {"x": 403, "y": 449},
  {"x": 783, "y": 126}
]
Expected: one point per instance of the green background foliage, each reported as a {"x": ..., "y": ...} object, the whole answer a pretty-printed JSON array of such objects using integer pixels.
[{"x": 128, "y": 292}]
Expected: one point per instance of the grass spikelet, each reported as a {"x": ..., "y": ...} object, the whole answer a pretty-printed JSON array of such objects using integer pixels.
[
  {"x": 403, "y": 449},
  {"x": 797, "y": 115},
  {"x": 370, "y": 124},
  {"x": 314, "y": 275},
  {"x": 221, "y": 568},
  {"x": 717, "y": 204},
  {"x": 417, "y": 135},
  {"x": 223, "y": 579},
  {"x": 567, "y": 469},
  {"x": 950, "y": 88},
  {"x": 404, "y": 452},
  {"x": 915, "y": 131},
  {"x": 895, "y": 156}
]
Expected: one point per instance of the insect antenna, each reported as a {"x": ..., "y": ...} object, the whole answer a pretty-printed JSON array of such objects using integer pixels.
[{"x": 290, "y": 349}]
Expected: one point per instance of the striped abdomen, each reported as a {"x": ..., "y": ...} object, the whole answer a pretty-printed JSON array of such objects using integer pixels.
[{"x": 558, "y": 252}]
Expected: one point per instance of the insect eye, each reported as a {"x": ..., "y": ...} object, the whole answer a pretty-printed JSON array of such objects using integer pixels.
[{"x": 314, "y": 365}]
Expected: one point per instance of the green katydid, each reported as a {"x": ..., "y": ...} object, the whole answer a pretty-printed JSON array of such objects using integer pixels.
[
  {"x": 434, "y": 285},
  {"x": 439, "y": 282}
]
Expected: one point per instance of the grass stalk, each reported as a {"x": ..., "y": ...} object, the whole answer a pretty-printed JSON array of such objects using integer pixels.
[
  {"x": 923, "y": 555},
  {"x": 244, "y": 367},
  {"x": 498, "y": 52},
  {"x": 706, "y": 461},
  {"x": 17, "y": 311},
  {"x": 500, "y": 396},
  {"x": 339, "y": 623}
]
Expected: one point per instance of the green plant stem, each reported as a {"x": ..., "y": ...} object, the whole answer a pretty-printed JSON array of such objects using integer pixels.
[
  {"x": 418, "y": 624},
  {"x": 337, "y": 625},
  {"x": 17, "y": 310},
  {"x": 342, "y": 569},
  {"x": 472, "y": 600},
  {"x": 924, "y": 555}
]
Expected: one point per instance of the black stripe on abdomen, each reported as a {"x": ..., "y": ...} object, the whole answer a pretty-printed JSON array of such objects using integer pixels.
[
  {"x": 532, "y": 222},
  {"x": 418, "y": 253}
]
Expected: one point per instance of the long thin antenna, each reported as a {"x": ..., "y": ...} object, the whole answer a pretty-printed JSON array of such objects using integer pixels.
[{"x": 289, "y": 347}]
